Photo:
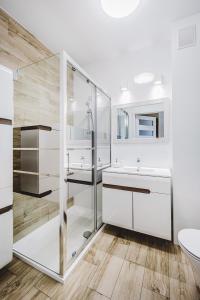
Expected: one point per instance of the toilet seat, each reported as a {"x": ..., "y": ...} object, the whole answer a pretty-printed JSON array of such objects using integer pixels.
[{"x": 190, "y": 240}]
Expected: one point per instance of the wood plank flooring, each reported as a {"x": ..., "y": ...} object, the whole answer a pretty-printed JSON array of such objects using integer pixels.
[{"x": 120, "y": 265}]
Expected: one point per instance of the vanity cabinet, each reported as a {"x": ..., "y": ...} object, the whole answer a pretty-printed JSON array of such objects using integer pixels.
[
  {"x": 137, "y": 202},
  {"x": 6, "y": 166},
  {"x": 116, "y": 211}
]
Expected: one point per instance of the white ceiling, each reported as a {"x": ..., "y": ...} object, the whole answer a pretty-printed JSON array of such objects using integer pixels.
[{"x": 88, "y": 34}]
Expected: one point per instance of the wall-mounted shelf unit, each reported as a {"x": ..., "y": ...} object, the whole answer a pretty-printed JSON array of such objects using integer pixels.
[{"x": 36, "y": 151}]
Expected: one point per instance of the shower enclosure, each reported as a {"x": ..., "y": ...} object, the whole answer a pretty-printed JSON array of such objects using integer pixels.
[{"x": 62, "y": 142}]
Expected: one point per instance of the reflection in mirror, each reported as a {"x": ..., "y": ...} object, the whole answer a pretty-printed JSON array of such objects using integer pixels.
[
  {"x": 146, "y": 121},
  {"x": 150, "y": 125},
  {"x": 122, "y": 124}
]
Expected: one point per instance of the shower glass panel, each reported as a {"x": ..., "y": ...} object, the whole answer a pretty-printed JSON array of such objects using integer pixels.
[
  {"x": 36, "y": 163},
  {"x": 80, "y": 161},
  {"x": 103, "y": 129},
  {"x": 61, "y": 145}
]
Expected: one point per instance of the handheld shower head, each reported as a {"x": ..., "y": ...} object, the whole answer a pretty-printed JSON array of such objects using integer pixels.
[{"x": 89, "y": 115}]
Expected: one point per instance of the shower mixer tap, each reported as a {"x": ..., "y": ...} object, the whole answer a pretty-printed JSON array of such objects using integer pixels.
[{"x": 82, "y": 161}]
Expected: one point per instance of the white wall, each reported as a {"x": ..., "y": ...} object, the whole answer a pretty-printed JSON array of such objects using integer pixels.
[
  {"x": 112, "y": 74},
  {"x": 186, "y": 130}
]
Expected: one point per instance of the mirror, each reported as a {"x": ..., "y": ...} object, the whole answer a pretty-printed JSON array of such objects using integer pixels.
[
  {"x": 141, "y": 121},
  {"x": 149, "y": 125},
  {"x": 122, "y": 124}
]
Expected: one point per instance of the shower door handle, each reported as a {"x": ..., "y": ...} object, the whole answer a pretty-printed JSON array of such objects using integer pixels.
[{"x": 93, "y": 156}]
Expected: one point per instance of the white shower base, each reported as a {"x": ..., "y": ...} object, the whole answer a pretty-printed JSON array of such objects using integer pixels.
[{"x": 42, "y": 244}]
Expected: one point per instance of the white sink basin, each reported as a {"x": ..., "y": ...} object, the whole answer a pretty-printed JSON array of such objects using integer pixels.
[
  {"x": 147, "y": 170},
  {"x": 140, "y": 171},
  {"x": 130, "y": 169}
]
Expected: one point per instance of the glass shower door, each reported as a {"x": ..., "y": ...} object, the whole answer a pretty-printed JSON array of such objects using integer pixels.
[
  {"x": 35, "y": 180},
  {"x": 103, "y": 145},
  {"x": 79, "y": 161}
]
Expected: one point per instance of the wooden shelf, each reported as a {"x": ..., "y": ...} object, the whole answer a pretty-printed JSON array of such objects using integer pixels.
[
  {"x": 34, "y": 149},
  {"x": 26, "y": 172},
  {"x": 25, "y": 149}
]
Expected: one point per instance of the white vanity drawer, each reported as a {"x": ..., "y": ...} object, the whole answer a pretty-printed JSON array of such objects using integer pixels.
[
  {"x": 152, "y": 214},
  {"x": 6, "y": 197},
  {"x": 154, "y": 184},
  {"x": 117, "y": 208}
]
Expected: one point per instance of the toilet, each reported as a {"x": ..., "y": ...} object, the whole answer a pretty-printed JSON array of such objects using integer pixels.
[{"x": 189, "y": 240}]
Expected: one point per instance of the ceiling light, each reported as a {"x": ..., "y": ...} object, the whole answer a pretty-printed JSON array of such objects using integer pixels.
[
  {"x": 158, "y": 82},
  {"x": 119, "y": 8},
  {"x": 144, "y": 78}
]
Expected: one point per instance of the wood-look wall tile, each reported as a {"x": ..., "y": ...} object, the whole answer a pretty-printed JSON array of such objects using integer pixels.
[{"x": 18, "y": 47}]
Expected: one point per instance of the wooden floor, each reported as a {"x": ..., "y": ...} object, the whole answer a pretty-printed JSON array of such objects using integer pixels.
[{"x": 120, "y": 265}]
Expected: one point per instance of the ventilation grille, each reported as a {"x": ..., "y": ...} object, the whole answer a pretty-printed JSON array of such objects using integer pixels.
[{"x": 187, "y": 37}]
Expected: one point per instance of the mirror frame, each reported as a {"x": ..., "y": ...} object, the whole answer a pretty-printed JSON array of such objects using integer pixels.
[{"x": 155, "y": 104}]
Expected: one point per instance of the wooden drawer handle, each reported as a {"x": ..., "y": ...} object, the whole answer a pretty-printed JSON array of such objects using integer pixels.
[
  {"x": 5, "y": 209},
  {"x": 126, "y": 188},
  {"x": 5, "y": 121}
]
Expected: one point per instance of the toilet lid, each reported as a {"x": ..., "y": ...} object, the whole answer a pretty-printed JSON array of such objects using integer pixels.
[{"x": 190, "y": 239}]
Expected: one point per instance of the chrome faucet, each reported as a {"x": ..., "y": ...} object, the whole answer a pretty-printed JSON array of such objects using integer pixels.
[{"x": 99, "y": 162}]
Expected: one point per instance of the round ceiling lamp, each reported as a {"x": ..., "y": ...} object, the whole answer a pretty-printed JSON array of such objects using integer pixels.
[{"x": 119, "y": 8}]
